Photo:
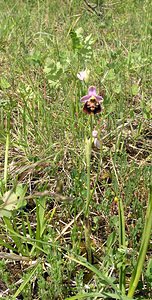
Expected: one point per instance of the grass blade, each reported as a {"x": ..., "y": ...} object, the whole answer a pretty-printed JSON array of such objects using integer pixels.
[
  {"x": 143, "y": 248},
  {"x": 104, "y": 279},
  {"x": 104, "y": 295},
  {"x": 25, "y": 282},
  {"x": 122, "y": 244}
]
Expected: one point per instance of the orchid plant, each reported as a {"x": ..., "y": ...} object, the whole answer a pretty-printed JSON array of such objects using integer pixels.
[{"x": 92, "y": 105}]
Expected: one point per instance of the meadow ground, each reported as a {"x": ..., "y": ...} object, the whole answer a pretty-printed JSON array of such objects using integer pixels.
[{"x": 62, "y": 199}]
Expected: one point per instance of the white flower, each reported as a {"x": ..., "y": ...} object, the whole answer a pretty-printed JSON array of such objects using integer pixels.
[
  {"x": 96, "y": 142},
  {"x": 83, "y": 75},
  {"x": 95, "y": 133}
]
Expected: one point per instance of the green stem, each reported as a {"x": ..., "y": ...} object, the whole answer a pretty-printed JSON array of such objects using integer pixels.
[
  {"x": 88, "y": 147},
  {"x": 122, "y": 244},
  {"x": 87, "y": 233},
  {"x": 6, "y": 159},
  {"x": 143, "y": 248},
  {"x": 88, "y": 156}
]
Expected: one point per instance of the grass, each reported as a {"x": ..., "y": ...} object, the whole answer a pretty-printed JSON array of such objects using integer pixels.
[{"x": 46, "y": 181}]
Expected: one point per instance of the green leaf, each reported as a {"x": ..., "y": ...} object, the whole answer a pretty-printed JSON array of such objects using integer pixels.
[
  {"x": 76, "y": 43},
  {"x": 149, "y": 272},
  {"x": 111, "y": 75},
  {"x": 25, "y": 282},
  {"x": 104, "y": 295},
  {"x": 111, "y": 239},
  {"x": 145, "y": 239},
  {"x": 135, "y": 89},
  {"x": 117, "y": 88},
  {"x": 9, "y": 200},
  {"x": 12, "y": 200},
  {"x": 20, "y": 193},
  {"x": 104, "y": 279},
  {"x": 4, "y": 84},
  {"x": 5, "y": 213}
]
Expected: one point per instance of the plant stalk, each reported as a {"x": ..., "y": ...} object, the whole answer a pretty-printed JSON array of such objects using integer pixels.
[
  {"x": 122, "y": 244},
  {"x": 143, "y": 248},
  {"x": 87, "y": 231},
  {"x": 6, "y": 159}
]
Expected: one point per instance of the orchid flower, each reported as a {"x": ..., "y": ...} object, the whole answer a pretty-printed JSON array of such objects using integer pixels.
[{"x": 92, "y": 101}]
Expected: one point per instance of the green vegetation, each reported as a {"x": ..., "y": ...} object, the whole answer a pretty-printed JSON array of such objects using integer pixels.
[{"x": 59, "y": 193}]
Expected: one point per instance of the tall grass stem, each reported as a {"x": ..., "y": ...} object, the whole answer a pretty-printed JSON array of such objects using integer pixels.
[
  {"x": 122, "y": 244},
  {"x": 143, "y": 248},
  {"x": 6, "y": 159}
]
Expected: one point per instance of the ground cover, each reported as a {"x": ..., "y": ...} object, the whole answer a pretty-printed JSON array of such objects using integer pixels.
[{"x": 59, "y": 190}]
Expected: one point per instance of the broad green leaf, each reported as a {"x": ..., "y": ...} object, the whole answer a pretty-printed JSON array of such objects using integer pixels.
[
  {"x": 5, "y": 213},
  {"x": 9, "y": 200},
  {"x": 20, "y": 193}
]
